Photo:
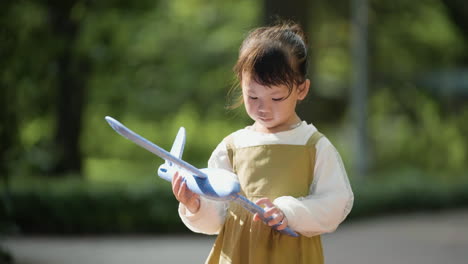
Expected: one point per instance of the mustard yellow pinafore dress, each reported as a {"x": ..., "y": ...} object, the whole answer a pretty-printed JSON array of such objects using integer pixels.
[{"x": 267, "y": 171}]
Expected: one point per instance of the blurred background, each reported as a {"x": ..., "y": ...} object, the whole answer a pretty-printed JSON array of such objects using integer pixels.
[{"x": 389, "y": 89}]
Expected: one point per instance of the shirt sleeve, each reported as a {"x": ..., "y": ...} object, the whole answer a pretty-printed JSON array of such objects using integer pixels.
[
  {"x": 330, "y": 198},
  {"x": 210, "y": 217}
]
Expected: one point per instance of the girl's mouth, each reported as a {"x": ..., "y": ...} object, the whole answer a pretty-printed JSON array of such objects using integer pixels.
[{"x": 264, "y": 119}]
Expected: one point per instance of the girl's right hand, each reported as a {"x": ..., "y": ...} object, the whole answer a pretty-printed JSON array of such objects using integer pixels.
[
  {"x": 278, "y": 218},
  {"x": 182, "y": 193}
]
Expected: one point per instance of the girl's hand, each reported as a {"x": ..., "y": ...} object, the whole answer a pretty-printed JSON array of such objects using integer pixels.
[
  {"x": 271, "y": 210},
  {"x": 182, "y": 193}
]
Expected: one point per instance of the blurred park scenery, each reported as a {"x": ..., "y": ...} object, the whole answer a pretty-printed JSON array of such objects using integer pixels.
[{"x": 161, "y": 64}]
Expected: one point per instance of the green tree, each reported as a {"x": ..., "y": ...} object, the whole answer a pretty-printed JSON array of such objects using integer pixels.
[{"x": 458, "y": 12}]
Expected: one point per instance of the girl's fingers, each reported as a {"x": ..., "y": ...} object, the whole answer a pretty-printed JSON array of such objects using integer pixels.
[
  {"x": 268, "y": 206},
  {"x": 276, "y": 219},
  {"x": 179, "y": 188},
  {"x": 272, "y": 211},
  {"x": 175, "y": 178},
  {"x": 256, "y": 217},
  {"x": 188, "y": 198},
  {"x": 264, "y": 201},
  {"x": 184, "y": 193},
  {"x": 181, "y": 193},
  {"x": 283, "y": 225},
  {"x": 176, "y": 183}
]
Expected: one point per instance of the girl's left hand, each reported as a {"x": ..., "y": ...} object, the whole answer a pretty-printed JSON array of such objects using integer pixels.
[{"x": 278, "y": 216}]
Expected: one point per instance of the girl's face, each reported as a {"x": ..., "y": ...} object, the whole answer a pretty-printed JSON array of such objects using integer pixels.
[{"x": 268, "y": 105}]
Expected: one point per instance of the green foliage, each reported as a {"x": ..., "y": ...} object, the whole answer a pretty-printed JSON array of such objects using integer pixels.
[
  {"x": 101, "y": 142},
  {"x": 407, "y": 190},
  {"x": 5, "y": 256},
  {"x": 74, "y": 207},
  {"x": 152, "y": 62},
  {"x": 159, "y": 65},
  {"x": 148, "y": 206},
  {"x": 414, "y": 132},
  {"x": 412, "y": 37}
]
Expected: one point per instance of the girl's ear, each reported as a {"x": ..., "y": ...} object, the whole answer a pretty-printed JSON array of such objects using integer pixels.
[{"x": 303, "y": 90}]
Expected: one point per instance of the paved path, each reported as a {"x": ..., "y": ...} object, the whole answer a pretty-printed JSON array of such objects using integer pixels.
[{"x": 414, "y": 238}]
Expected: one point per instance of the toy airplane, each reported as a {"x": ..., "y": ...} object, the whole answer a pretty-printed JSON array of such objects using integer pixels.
[{"x": 215, "y": 184}]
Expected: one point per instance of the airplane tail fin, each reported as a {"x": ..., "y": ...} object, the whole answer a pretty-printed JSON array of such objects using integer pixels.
[
  {"x": 167, "y": 169},
  {"x": 179, "y": 144}
]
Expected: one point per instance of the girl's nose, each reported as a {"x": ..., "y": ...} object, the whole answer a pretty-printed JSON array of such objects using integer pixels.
[{"x": 263, "y": 107}]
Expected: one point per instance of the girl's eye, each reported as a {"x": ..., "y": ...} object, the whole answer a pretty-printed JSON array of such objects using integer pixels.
[
  {"x": 253, "y": 97},
  {"x": 278, "y": 99}
]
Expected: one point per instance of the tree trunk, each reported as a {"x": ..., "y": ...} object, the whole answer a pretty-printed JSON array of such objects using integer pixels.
[
  {"x": 314, "y": 108},
  {"x": 70, "y": 96},
  {"x": 296, "y": 10},
  {"x": 458, "y": 13},
  {"x": 10, "y": 145},
  {"x": 299, "y": 12}
]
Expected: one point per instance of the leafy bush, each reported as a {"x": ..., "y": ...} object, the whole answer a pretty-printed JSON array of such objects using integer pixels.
[
  {"x": 5, "y": 256},
  {"x": 83, "y": 208},
  {"x": 94, "y": 209},
  {"x": 410, "y": 128},
  {"x": 406, "y": 194}
]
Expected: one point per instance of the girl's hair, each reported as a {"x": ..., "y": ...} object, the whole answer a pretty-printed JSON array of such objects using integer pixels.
[{"x": 274, "y": 55}]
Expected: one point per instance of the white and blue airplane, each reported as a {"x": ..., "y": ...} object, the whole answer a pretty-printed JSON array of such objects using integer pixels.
[{"x": 215, "y": 184}]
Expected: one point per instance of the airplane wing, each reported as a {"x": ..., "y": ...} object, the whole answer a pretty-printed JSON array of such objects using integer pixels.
[{"x": 153, "y": 148}]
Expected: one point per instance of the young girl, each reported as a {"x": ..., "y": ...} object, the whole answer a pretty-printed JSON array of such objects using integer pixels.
[{"x": 283, "y": 164}]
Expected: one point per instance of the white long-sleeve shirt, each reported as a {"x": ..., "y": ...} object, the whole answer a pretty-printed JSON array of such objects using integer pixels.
[{"x": 330, "y": 196}]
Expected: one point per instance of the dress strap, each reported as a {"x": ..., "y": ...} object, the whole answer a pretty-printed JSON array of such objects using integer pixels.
[
  {"x": 314, "y": 138},
  {"x": 229, "y": 147}
]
